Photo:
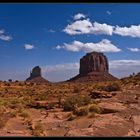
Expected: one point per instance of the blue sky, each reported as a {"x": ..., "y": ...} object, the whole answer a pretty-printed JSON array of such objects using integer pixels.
[{"x": 56, "y": 36}]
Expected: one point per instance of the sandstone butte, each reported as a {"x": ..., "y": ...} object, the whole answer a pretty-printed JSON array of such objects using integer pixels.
[
  {"x": 93, "y": 67},
  {"x": 36, "y": 77}
]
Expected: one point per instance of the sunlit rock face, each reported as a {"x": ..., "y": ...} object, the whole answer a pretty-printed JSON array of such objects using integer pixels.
[
  {"x": 93, "y": 67},
  {"x": 93, "y": 62}
]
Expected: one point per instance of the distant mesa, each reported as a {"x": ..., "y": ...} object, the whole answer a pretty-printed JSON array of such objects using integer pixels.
[
  {"x": 93, "y": 67},
  {"x": 36, "y": 77}
]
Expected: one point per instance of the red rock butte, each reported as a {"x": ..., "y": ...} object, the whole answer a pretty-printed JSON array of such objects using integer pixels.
[
  {"x": 93, "y": 67},
  {"x": 35, "y": 76}
]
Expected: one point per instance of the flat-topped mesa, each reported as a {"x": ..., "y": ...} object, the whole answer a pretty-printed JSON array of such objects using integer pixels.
[
  {"x": 36, "y": 77},
  {"x": 93, "y": 67},
  {"x": 93, "y": 62}
]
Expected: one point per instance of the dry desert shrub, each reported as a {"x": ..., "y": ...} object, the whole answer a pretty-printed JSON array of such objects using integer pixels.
[
  {"x": 2, "y": 118},
  {"x": 38, "y": 130},
  {"x": 51, "y": 105},
  {"x": 81, "y": 111},
  {"x": 76, "y": 89},
  {"x": 71, "y": 118},
  {"x": 28, "y": 122},
  {"x": 25, "y": 115},
  {"x": 2, "y": 110},
  {"x": 13, "y": 102},
  {"x": 94, "y": 108},
  {"x": 78, "y": 100},
  {"x": 84, "y": 110},
  {"x": 2, "y": 122},
  {"x": 110, "y": 87}
]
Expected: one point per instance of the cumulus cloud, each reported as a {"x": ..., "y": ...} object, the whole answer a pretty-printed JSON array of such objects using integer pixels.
[
  {"x": 122, "y": 68},
  {"x": 86, "y": 27},
  {"x": 3, "y": 36},
  {"x": 102, "y": 46},
  {"x": 79, "y": 16},
  {"x": 134, "y": 49},
  {"x": 79, "y": 27},
  {"x": 28, "y": 46},
  {"x": 132, "y": 31}
]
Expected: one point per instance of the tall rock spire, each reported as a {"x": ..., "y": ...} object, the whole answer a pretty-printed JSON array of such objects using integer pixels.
[{"x": 36, "y": 76}]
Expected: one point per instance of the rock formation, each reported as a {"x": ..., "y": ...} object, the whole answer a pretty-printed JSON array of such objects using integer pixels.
[
  {"x": 93, "y": 67},
  {"x": 94, "y": 61},
  {"x": 35, "y": 76},
  {"x": 35, "y": 72}
]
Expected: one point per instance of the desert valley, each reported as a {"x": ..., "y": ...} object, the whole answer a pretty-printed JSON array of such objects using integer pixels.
[
  {"x": 93, "y": 103},
  {"x": 69, "y": 70}
]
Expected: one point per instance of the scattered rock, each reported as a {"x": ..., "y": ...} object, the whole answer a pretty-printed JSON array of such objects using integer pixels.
[
  {"x": 80, "y": 132},
  {"x": 136, "y": 123},
  {"x": 100, "y": 94},
  {"x": 111, "y": 107},
  {"x": 44, "y": 104}
]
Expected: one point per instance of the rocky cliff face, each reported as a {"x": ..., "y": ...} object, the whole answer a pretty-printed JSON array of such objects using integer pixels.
[
  {"x": 94, "y": 61},
  {"x": 93, "y": 67},
  {"x": 35, "y": 76}
]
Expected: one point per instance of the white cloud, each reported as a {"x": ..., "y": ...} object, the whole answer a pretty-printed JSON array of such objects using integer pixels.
[
  {"x": 86, "y": 27},
  {"x": 79, "y": 16},
  {"x": 134, "y": 49},
  {"x": 118, "y": 63},
  {"x": 108, "y": 12},
  {"x": 102, "y": 46},
  {"x": 79, "y": 27},
  {"x": 123, "y": 68},
  {"x": 51, "y": 31},
  {"x": 102, "y": 28},
  {"x": 132, "y": 31},
  {"x": 1, "y": 31},
  {"x": 3, "y": 36},
  {"x": 28, "y": 46}
]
